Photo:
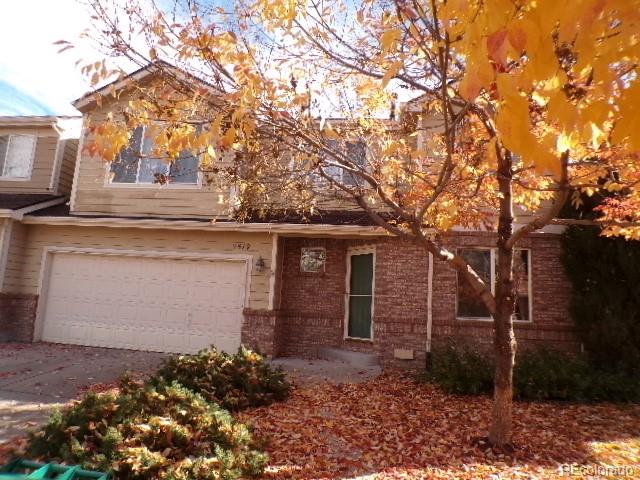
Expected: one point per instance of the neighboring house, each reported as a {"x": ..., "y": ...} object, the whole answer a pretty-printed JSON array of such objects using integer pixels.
[
  {"x": 37, "y": 159},
  {"x": 129, "y": 263}
]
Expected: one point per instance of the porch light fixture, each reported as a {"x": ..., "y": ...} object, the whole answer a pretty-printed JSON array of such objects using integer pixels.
[{"x": 260, "y": 265}]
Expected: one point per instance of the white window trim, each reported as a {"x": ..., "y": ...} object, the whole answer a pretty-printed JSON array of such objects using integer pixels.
[
  {"x": 324, "y": 264},
  {"x": 4, "y": 177},
  {"x": 172, "y": 186},
  {"x": 493, "y": 285},
  {"x": 351, "y": 251}
]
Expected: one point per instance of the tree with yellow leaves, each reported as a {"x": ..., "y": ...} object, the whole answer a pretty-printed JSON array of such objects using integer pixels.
[{"x": 518, "y": 105}]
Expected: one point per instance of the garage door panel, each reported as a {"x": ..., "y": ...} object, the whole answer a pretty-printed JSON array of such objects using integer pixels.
[
  {"x": 125, "y": 313},
  {"x": 151, "y": 316},
  {"x": 179, "y": 291},
  {"x": 145, "y": 303},
  {"x": 228, "y": 344},
  {"x": 177, "y": 316}
]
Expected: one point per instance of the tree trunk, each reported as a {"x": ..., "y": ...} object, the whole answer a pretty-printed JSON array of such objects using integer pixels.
[
  {"x": 505, "y": 352},
  {"x": 504, "y": 340}
]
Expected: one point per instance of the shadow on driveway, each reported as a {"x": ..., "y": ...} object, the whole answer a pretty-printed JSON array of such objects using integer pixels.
[{"x": 35, "y": 378}]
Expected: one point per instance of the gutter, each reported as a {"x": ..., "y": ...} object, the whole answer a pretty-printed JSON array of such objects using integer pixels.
[
  {"x": 28, "y": 121},
  {"x": 279, "y": 228},
  {"x": 429, "y": 307},
  {"x": 5, "y": 241}
]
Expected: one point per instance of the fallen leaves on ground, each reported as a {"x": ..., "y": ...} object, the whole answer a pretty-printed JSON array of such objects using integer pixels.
[
  {"x": 391, "y": 427},
  {"x": 12, "y": 448},
  {"x": 100, "y": 387}
]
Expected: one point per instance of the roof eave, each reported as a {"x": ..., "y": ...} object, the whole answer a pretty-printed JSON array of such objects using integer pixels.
[
  {"x": 281, "y": 228},
  {"x": 90, "y": 98}
]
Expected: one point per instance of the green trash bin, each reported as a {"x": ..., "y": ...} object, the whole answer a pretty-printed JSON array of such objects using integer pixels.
[{"x": 28, "y": 470}]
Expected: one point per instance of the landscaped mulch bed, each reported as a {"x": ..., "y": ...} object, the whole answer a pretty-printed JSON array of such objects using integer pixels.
[{"x": 392, "y": 427}]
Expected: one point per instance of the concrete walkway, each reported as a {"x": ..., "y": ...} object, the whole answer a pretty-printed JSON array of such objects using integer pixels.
[
  {"x": 309, "y": 372},
  {"x": 35, "y": 378}
]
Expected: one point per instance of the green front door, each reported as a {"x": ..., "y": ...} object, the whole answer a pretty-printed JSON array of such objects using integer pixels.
[{"x": 360, "y": 296}]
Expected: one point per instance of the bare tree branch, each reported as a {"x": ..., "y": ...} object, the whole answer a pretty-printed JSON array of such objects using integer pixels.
[{"x": 561, "y": 197}]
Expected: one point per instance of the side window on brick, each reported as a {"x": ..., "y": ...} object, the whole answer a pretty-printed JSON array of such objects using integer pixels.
[
  {"x": 469, "y": 306},
  {"x": 483, "y": 261},
  {"x": 523, "y": 302}
]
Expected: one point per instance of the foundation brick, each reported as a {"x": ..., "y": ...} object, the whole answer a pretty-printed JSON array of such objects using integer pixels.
[{"x": 17, "y": 317}]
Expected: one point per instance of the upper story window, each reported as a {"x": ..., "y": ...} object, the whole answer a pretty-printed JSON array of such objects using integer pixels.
[
  {"x": 354, "y": 151},
  {"x": 483, "y": 261},
  {"x": 16, "y": 156},
  {"x": 135, "y": 165}
]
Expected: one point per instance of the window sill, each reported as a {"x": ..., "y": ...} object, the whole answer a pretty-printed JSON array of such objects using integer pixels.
[
  {"x": 359, "y": 339},
  {"x": 489, "y": 320},
  {"x": 14, "y": 179},
  {"x": 156, "y": 186}
]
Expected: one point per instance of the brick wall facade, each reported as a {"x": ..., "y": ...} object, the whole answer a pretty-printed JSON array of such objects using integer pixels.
[
  {"x": 260, "y": 331},
  {"x": 551, "y": 324},
  {"x": 312, "y": 306},
  {"x": 312, "y": 309},
  {"x": 17, "y": 317},
  {"x": 309, "y": 309}
]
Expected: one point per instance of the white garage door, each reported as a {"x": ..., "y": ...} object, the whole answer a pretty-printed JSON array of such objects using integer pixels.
[{"x": 144, "y": 303}]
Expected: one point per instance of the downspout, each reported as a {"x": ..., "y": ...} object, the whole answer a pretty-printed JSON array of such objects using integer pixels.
[
  {"x": 273, "y": 269},
  {"x": 429, "y": 310},
  {"x": 5, "y": 241}
]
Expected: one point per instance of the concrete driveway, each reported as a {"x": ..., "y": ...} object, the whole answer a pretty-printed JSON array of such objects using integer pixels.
[{"x": 35, "y": 378}]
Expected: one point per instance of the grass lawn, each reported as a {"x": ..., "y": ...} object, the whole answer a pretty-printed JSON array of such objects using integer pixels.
[{"x": 391, "y": 428}]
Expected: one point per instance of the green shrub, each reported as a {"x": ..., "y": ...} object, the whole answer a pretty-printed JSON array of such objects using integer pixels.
[
  {"x": 614, "y": 387},
  {"x": 605, "y": 302},
  {"x": 150, "y": 431},
  {"x": 538, "y": 375},
  {"x": 551, "y": 375},
  {"x": 460, "y": 369},
  {"x": 234, "y": 381}
]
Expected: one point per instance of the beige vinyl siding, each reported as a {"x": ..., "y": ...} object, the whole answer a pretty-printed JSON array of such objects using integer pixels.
[
  {"x": 95, "y": 195},
  {"x": 67, "y": 168},
  {"x": 147, "y": 201},
  {"x": 43, "y": 162},
  {"x": 15, "y": 257},
  {"x": 29, "y": 261}
]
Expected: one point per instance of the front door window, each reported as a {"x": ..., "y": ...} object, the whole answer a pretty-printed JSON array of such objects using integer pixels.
[{"x": 360, "y": 296}]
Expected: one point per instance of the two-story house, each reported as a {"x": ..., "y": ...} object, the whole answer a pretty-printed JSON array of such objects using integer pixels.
[
  {"x": 130, "y": 263},
  {"x": 37, "y": 160}
]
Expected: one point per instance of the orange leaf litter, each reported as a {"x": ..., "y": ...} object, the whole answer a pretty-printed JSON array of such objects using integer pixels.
[{"x": 393, "y": 428}]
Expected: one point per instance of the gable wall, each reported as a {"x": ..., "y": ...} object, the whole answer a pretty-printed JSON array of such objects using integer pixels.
[{"x": 95, "y": 195}]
